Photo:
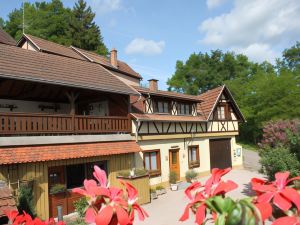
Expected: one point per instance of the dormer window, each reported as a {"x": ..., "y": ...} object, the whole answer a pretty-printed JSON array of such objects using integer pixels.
[
  {"x": 184, "y": 109},
  {"x": 223, "y": 112},
  {"x": 161, "y": 106}
]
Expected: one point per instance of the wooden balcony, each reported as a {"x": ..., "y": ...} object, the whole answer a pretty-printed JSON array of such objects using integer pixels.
[{"x": 43, "y": 124}]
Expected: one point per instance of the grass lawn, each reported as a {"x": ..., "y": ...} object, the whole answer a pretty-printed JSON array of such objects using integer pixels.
[{"x": 248, "y": 146}]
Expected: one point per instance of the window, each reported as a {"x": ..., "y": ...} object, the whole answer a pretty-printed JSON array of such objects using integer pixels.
[
  {"x": 161, "y": 106},
  {"x": 221, "y": 112},
  {"x": 184, "y": 109},
  {"x": 75, "y": 175},
  {"x": 152, "y": 162},
  {"x": 90, "y": 168},
  {"x": 194, "y": 160}
]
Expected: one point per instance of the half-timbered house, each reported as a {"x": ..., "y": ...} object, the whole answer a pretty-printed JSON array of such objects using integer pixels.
[
  {"x": 65, "y": 109},
  {"x": 179, "y": 132}
]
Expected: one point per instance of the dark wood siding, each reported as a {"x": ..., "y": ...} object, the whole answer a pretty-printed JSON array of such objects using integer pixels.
[{"x": 220, "y": 153}]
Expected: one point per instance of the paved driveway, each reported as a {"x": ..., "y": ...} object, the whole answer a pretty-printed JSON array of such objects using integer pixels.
[
  {"x": 167, "y": 209},
  {"x": 251, "y": 160}
]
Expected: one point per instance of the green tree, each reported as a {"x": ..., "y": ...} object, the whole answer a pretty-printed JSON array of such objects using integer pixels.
[
  {"x": 52, "y": 21},
  {"x": 204, "y": 71},
  {"x": 291, "y": 57},
  {"x": 86, "y": 34},
  {"x": 1, "y": 22}
]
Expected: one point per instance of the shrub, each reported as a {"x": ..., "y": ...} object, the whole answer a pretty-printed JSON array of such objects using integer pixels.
[
  {"x": 25, "y": 200},
  {"x": 279, "y": 133},
  {"x": 81, "y": 206},
  {"x": 190, "y": 175},
  {"x": 172, "y": 177},
  {"x": 137, "y": 172},
  {"x": 279, "y": 159}
]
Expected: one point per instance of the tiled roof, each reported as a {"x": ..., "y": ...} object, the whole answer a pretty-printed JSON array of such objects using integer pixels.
[
  {"x": 122, "y": 66},
  {"x": 5, "y": 38},
  {"x": 51, "y": 47},
  {"x": 209, "y": 99},
  {"x": 26, "y": 154},
  {"x": 18, "y": 63},
  {"x": 161, "y": 117},
  {"x": 7, "y": 201},
  {"x": 169, "y": 94}
]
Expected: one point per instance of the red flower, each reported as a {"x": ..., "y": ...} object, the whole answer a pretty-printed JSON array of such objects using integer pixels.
[
  {"x": 198, "y": 194},
  {"x": 132, "y": 202},
  {"x": 278, "y": 191}
]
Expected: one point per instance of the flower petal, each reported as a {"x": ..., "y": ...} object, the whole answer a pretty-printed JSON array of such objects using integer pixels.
[
  {"x": 266, "y": 197},
  {"x": 281, "y": 179},
  {"x": 104, "y": 216},
  {"x": 90, "y": 215},
  {"x": 200, "y": 214},
  {"x": 281, "y": 202},
  {"x": 292, "y": 195},
  {"x": 141, "y": 212},
  {"x": 265, "y": 210},
  {"x": 224, "y": 187},
  {"x": 100, "y": 175},
  {"x": 192, "y": 187},
  {"x": 186, "y": 213},
  {"x": 287, "y": 220}
]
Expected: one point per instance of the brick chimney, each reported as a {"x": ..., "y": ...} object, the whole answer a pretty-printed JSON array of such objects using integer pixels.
[
  {"x": 114, "y": 57},
  {"x": 153, "y": 86}
]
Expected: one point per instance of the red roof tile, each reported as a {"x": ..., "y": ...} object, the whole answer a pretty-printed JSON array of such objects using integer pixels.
[
  {"x": 51, "y": 47},
  {"x": 5, "y": 38},
  {"x": 26, "y": 154},
  {"x": 93, "y": 57},
  {"x": 158, "y": 117},
  {"x": 169, "y": 94},
  {"x": 18, "y": 63},
  {"x": 209, "y": 99}
]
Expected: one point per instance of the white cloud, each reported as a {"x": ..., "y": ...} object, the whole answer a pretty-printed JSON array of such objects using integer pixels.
[
  {"x": 255, "y": 27},
  {"x": 145, "y": 47},
  {"x": 258, "y": 52},
  {"x": 214, "y": 3},
  {"x": 106, "y": 6}
]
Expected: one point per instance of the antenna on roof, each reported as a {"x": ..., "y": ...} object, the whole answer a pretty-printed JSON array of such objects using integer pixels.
[{"x": 23, "y": 26}]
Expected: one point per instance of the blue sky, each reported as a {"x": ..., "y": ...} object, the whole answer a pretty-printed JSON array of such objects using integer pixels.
[{"x": 151, "y": 35}]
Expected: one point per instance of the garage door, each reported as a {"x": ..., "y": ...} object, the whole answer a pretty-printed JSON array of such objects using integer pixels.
[{"x": 220, "y": 153}]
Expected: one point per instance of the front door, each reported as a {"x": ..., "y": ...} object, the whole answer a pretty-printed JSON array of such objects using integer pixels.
[{"x": 174, "y": 161}]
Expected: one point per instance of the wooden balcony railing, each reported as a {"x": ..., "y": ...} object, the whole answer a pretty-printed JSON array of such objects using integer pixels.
[{"x": 23, "y": 124}]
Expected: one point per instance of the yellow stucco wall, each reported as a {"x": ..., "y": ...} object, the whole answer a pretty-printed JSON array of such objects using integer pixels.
[{"x": 182, "y": 144}]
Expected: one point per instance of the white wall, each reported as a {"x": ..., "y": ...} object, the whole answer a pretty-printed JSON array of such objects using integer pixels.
[
  {"x": 165, "y": 145},
  {"x": 33, "y": 107}
]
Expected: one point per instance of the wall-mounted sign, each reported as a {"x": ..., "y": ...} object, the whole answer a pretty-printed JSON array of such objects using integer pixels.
[{"x": 238, "y": 152}]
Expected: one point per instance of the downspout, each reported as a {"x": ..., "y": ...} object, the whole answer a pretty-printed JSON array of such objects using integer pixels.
[{"x": 137, "y": 129}]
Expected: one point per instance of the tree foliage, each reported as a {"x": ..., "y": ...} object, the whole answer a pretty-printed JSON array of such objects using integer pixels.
[
  {"x": 54, "y": 22},
  {"x": 263, "y": 91}
]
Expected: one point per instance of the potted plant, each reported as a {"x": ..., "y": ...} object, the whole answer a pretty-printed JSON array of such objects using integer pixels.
[
  {"x": 57, "y": 189},
  {"x": 160, "y": 190},
  {"x": 190, "y": 176},
  {"x": 173, "y": 181},
  {"x": 153, "y": 194}
]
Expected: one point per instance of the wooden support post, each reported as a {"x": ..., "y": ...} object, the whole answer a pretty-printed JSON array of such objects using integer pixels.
[{"x": 72, "y": 98}]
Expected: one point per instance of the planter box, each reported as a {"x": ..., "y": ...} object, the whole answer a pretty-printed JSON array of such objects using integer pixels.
[
  {"x": 141, "y": 183},
  {"x": 174, "y": 187}
]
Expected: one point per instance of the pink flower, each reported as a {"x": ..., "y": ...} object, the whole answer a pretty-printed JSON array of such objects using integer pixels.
[{"x": 100, "y": 175}]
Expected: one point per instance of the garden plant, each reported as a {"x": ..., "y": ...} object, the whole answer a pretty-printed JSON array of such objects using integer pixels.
[{"x": 277, "y": 201}]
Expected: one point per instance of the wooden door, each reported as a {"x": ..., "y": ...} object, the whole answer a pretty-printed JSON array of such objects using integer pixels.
[
  {"x": 174, "y": 162},
  {"x": 220, "y": 153}
]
